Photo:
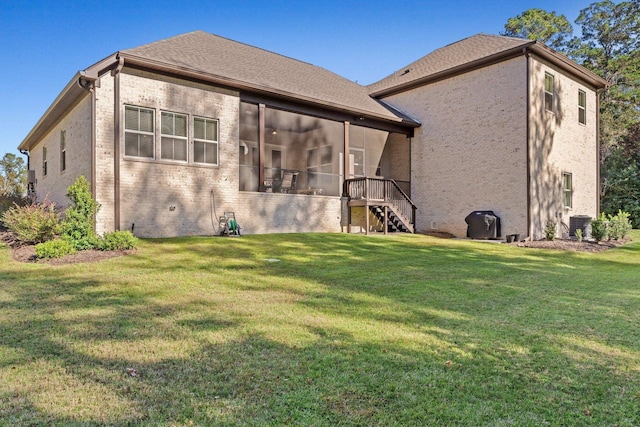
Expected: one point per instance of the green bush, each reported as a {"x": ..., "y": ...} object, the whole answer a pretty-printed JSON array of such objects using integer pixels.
[
  {"x": 619, "y": 225},
  {"x": 54, "y": 249},
  {"x": 600, "y": 228},
  {"x": 8, "y": 201},
  {"x": 118, "y": 240},
  {"x": 578, "y": 234},
  {"x": 550, "y": 230},
  {"x": 33, "y": 223},
  {"x": 79, "y": 219}
]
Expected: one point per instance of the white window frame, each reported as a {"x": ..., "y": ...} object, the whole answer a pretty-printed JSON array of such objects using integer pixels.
[
  {"x": 567, "y": 191},
  {"x": 211, "y": 143},
  {"x": 63, "y": 150},
  {"x": 582, "y": 107},
  {"x": 139, "y": 132},
  {"x": 549, "y": 95},
  {"x": 166, "y": 135}
]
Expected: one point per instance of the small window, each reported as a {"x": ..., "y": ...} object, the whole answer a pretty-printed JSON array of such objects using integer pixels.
[
  {"x": 44, "y": 161},
  {"x": 139, "y": 132},
  {"x": 548, "y": 92},
  {"x": 582, "y": 107},
  {"x": 63, "y": 150},
  {"x": 205, "y": 140},
  {"x": 567, "y": 190},
  {"x": 173, "y": 141}
]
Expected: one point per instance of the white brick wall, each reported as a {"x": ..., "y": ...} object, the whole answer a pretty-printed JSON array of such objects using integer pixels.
[
  {"x": 77, "y": 124},
  {"x": 470, "y": 152},
  {"x": 104, "y": 173},
  {"x": 559, "y": 143}
]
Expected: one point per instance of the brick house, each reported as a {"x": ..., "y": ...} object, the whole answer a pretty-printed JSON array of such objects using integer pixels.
[{"x": 174, "y": 133}]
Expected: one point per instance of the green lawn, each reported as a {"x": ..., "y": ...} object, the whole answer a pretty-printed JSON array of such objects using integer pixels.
[{"x": 323, "y": 330}]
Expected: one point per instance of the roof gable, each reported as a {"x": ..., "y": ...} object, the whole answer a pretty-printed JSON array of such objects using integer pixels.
[
  {"x": 458, "y": 54},
  {"x": 472, "y": 53}
]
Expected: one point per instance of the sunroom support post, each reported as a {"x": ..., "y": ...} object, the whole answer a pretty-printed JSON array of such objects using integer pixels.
[
  {"x": 261, "y": 149},
  {"x": 345, "y": 161}
]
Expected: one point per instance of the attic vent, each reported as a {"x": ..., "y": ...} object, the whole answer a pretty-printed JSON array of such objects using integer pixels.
[{"x": 405, "y": 72}]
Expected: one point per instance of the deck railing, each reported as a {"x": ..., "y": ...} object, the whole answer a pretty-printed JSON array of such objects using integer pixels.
[{"x": 381, "y": 190}]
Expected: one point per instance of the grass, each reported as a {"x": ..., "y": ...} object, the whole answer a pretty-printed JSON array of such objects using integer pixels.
[{"x": 323, "y": 330}]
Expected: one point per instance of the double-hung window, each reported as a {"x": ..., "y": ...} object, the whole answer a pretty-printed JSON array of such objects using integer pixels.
[
  {"x": 567, "y": 192},
  {"x": 139, "y": 132},
  {"x": 582, "y": 107},
  {"x": 548, "y": 92},
  {"x": 44, "y": 161},
  {"x": 173, "y": 140},
  {"x": 63, "y": 150},
  {"x": 205, "y": 140}
]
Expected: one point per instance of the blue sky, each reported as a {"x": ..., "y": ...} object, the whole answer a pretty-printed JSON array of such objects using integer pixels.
[{"x": 44, "y": 43}]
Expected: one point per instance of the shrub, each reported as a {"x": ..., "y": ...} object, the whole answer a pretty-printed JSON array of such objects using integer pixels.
[
  {"x": 619, "y": 225},
  {"x": 54, "y": 249},
  {"x": 78, "y": 223},
  {"x": 550, "y": 230},
  {"x": 118, "y": 240},
  {"x": 33, "y": 223},
  {"x": 578, "y": 234},
  {"x": 8, "y": 201},
  {"x": 599, "y": 228}
]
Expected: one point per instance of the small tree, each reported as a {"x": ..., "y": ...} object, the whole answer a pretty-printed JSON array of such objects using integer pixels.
[
  {"x": 550, "y": 230},
  {"x": 79, "y": 220},
  {"x": 600, "y": 228},
  {"x": 13, "y": 181}
]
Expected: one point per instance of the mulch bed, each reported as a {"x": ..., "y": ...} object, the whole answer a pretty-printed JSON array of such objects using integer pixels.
[
  {"x": 27, "y": 253},
  {"x": 558, "y": 244},
  {"x": 572, "y": 245}
]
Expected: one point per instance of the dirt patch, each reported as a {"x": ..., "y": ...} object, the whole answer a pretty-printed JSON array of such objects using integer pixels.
[
  {"x": 557, "y": 244},
  {"x": 572, "y": 245},
  {"x": 27, "y": 253}
]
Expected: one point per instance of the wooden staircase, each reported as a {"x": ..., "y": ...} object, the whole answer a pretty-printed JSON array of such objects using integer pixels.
[{"x": 385, "y": 200}]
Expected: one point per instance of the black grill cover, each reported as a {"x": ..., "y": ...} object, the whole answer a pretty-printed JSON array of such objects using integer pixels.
[{"x": 483, "y": 225}]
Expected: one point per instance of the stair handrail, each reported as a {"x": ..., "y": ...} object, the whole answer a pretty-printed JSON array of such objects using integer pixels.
[{"x": 360, "y": 188}]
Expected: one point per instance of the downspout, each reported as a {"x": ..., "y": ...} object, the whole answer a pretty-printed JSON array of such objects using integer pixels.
[
  {"x": 598, "y": 183},
  {"x": 528, "y": 130},
  {"x": 26, "y": 153},
  {"x": 116, "y": 142},
  {"x": 89, "y": 85}
]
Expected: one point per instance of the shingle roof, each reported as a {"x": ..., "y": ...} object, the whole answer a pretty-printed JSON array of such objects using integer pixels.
[
  {"x": 248, "y": 66},
  {"x": 466, "y": 51}
]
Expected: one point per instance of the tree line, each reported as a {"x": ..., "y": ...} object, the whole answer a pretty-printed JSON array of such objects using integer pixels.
[{"x": 608, "y": 45}]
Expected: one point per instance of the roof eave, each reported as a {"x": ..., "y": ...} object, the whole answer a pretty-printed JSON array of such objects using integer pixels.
[
  {"x": 69, "y": 97},
  {"x": 592, "y": 79},
  {"x": 147, "y": 63},
  {"x": 64, "y": 101}
]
